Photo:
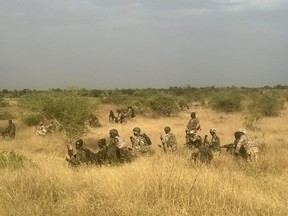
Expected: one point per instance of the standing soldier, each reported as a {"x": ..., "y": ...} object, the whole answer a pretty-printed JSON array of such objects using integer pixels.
[
  {"x": 193, "y": 124},
  {"x": 10, "y": 131},
  {"x": 169, "y": 142},
  {"x": 140, "y": 142},
  {"x": 214, "y": 144}
]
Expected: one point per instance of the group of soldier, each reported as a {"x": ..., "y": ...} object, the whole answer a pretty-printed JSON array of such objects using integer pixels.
[
  {"x": 112, "y": 151},
  {"x": 115, "y": 149},
  {"x": 121, "y": 116}
]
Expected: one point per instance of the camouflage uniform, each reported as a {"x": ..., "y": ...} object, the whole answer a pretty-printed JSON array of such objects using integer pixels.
[
  {"x": 130, "y": 112},
  {"x": 169, "y": 141},
  {"x": 214, "y": 144},
  {"x": 247, "y": 143},
  {"x": 41, "y": 130},
  {"x": 193, "y": 140},
  {"x": 79, "y": 156},
  {"x": 139, "y": 143},
  {"x": 117, "y": 150},
  {"x": 10, "y": 131},
  {"x": 194, "y": 123},
  {"x": 112, "y": 151},
  {"x": 120, "y": 117},
  {"x": 200, "y": 151}
]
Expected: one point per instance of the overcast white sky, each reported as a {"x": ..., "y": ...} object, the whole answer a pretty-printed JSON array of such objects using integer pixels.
[{"x": 107, "y": 44}]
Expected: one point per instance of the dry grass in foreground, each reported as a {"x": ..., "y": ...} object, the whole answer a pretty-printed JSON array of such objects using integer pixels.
[{"x": 159, "y": 185}]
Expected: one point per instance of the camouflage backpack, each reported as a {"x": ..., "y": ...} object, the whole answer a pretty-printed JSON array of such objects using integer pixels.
[{"x": 147, "y": 138}]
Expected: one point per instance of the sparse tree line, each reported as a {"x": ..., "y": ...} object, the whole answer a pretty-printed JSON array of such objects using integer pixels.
[{"x": 71, "y": 108}]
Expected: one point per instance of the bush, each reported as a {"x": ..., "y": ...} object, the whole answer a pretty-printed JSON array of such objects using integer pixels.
[
  {"x": 266, "y": 104},
  {"x": 163, "y": 105},
  {"x": 12, "y": 160},
  {"x": 114, "y": 97},
  {"x": 67, "y": 109},
  {"x": 6, "y": 116},
  {"x": 32, "y": 119},
  {"x": 226, "y": 102}
]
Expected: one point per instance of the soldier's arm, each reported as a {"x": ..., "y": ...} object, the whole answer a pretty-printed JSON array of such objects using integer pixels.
[{"x": 70, "y": 150}]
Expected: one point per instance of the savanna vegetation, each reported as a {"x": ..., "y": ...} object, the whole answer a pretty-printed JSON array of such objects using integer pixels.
[{"x": 36, "y": 180}]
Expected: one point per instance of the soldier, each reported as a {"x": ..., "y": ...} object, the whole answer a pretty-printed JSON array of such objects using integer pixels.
[
  {"x": 120, "y": 118},
  {"x": 248, "y": 144},
  {"x": 41, "y": 130},
  {"x": 199, "y": 151},
  {"x": 193, "y": 140},
  {"x": 112, "y": 117},
  {"x": 214, "y": 144},
  {"x": 51, "y": 127},
  {"x": 193, "y": 124},
  {"x": 79, "y": 156},
  {"x": 130, "y": 112},
  {"x": 140, "y": 142},
  {"x": 169, "y": 142},
  {"x": 102, "y": 152},
  {"x": 93, "y": 121},
  {"x": 117, "y": 150},
  {"x": 10, "y": 131}
]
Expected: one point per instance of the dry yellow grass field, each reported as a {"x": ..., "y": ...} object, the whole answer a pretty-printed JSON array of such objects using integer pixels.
[{"x": 157, "y": 185}]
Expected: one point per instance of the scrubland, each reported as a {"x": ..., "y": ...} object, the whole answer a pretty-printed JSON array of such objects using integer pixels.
[{"x": 39, "y": 181}]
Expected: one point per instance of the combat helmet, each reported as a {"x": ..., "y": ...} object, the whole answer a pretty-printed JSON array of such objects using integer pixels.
[
  {"x": 167, "y": 129},
  {"x": 242, "y": 130},
  {"x": 137, "y": 130},
  {"x": 212, "y": 130},
  {"x": 102, "y": 143},
  {"x": 113, "y": 132},
  {"x": 193, "y": 114}
]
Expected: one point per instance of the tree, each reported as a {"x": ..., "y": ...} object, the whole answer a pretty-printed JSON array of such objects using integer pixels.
[
  {"x": 67, "y": 109},
  {"x": 163, "y": 104}
]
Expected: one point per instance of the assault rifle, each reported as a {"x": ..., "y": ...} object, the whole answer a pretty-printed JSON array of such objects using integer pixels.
[
  {"x": 163, "y": 144},
  {"x": 196, "y": 142},
  {"x": 229, "y": 147}
]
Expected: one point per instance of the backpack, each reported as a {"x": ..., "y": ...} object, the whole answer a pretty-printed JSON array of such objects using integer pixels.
[{"x": 147, "y": 138}]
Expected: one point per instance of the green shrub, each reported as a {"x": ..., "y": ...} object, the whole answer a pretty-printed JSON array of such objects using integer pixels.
[
  {"x": 6, "y": 115},
  {"x": 67, "y": 109},
  {"x": 11, "y": 159},
  {"x": 32, "y": 119},
  {"x": 226, "y": 102},
  {"x": 114, "y": 97},
  {"x": 163, "y": 105},
  {"x": 267, "y": 103},
  {"x": 4, "y": 104}
]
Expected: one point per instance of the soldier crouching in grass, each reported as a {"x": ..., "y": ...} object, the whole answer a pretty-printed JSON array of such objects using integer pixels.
[
  {"x": 79, "y": 155},
  {"x": 214, "y": 143},
  {"x": 117, "y": 150},
  {"x": 9, "y": 131},
  {"x": 169, "y": 142},
  {"x": 251, "y": 150},
  {"x": 200, "y": 151},
  {"x": 140, "y": 143}
]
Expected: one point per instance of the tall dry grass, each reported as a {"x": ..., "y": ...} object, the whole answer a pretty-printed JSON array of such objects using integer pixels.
[{"x": 158, "y": 185}]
